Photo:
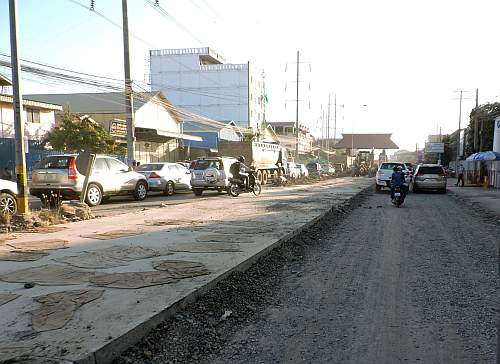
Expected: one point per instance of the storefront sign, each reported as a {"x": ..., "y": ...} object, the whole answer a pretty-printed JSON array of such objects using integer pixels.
[{"x": 118, "y": 128}]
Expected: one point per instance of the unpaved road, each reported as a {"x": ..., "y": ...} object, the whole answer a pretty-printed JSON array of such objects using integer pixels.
[{"x": 378, "y": 285}]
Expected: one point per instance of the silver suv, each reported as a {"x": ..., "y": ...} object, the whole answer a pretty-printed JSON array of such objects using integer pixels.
[
  {"x": 211, "y": 173},
  {"x": 58, "y": 176}
]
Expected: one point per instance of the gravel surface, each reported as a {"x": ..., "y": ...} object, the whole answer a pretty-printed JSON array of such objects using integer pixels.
[{"x": 368, "y": 284}]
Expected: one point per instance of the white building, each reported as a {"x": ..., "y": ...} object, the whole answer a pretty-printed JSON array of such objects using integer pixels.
[
  {"x": 39, "y": 117},
  {"x": 199, "y": 80}
]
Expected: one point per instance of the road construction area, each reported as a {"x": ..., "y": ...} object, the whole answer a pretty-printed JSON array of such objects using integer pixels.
[
  {"x": 84, "y": 292},
  {"x": 368, "y": 284}
]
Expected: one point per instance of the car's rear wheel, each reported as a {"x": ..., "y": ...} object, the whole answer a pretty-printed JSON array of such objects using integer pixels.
[
  {"x": 8, "y": 203},
  {"x": 197, "y": 191},
  {"x": 169, "y": 189},
  {"x": 93, "y": 196},
  {"x": 220, "y": 189},
  {"x": 141, "y": 191}
]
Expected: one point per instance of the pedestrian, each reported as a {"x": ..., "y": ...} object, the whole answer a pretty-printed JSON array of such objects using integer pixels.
[
  {"x": 461, "y": 173},
  {"x": 7, "y": 174},
  {"x": 134, "y": 165}
]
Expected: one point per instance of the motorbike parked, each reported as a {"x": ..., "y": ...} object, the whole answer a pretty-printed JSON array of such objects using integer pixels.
[{"x": 237, "y": 186}]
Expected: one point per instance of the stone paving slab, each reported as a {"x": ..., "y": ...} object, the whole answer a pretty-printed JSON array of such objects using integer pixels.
[{"x": 100, "y": 329}]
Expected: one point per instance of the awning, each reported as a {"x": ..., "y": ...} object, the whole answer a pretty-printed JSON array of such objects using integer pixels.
[
  {"x": 160, "y": 136},
  {"x": 179, "y": 136}
]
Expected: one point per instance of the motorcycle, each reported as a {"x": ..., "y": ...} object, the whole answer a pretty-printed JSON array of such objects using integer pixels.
[
  {"x": 398, "y": 197},
  {"x": 237, "y": 186}
]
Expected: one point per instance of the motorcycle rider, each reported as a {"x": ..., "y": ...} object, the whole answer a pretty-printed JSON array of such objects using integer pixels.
[
  {"x": 398, "y": 179},
  {"x": 238, "y": 169}
]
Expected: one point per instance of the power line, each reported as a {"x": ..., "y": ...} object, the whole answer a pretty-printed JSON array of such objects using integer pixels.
[{"x": 156, "y": 6}]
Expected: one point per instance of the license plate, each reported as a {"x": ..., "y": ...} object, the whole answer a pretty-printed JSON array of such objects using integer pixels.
[{"x": 397, "y": 194}]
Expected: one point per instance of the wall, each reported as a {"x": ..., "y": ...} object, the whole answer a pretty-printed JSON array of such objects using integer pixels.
[
  {"x": 33, "y": 131},
  {"x": 217, "y": 91}
]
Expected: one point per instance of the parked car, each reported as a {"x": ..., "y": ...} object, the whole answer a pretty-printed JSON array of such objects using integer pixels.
[
  {"x": 8, "y": 194},
  {"x": 314, "y": 169},
  {"x": 57, "y": 175},
  {"x": 384, "y": 174},
  {"x": 292, "y": 170},
  {"x": 430, "y": 177},
  {"x": 303, "y": 170},
  {"x": 166, "y": 177},
  {"x": 211, "y": 173}
]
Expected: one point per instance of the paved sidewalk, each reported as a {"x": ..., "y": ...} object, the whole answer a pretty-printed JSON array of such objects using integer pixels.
[
  {"x": 487, "y": 199},
  {"x": 86, "y": 293}
]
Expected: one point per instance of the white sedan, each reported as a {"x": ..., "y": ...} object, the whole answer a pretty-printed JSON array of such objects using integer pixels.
[
  {"x": 8, "y": 193},
  {"x": 166, "y": 177}
]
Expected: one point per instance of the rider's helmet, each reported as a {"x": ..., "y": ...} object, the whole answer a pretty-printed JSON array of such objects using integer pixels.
[
  {"x": 400, "y": 168},
  {"x": 241, "y": 159}
]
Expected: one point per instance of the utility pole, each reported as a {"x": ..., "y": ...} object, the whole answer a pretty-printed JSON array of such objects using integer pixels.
[
  {"x": 335, "y": 122},
  {"x": 328, "y": 132},
  {"x": 476, "y": 126},
  {"x": 458, "y": 136},
  {"x": 22, "y": 195},
  {"x": 129, "y": 98},
  {"x": 297, "y": 113}
]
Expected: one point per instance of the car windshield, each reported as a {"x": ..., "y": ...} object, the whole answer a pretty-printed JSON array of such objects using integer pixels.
[
  {"x": 204, "y": 164},
  {"x": 150, "y": 167},
  {"x": 430, "y": 170},
  {"x": 56, "y": 162},
  {"x": 391, "y": 165}
]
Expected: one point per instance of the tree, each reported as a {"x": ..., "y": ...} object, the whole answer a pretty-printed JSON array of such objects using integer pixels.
[
  {"x": 76, "y": 135},
  {"x": 486, "y": 115}
]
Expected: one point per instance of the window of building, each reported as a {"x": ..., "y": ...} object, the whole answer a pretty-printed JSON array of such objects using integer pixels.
[{"x": 33, "y": 115}]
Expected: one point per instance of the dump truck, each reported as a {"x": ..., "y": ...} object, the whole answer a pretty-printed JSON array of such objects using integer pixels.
[{"x": 268, "y": 159}]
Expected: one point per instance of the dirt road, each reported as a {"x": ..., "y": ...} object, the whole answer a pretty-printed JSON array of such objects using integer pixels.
[{"x": 379, "y": 285}]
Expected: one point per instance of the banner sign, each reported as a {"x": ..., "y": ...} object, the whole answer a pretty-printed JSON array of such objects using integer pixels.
[{"x": 434, "y": 147}]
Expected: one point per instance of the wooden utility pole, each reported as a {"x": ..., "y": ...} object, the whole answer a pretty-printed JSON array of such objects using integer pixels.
[
  {"x": 297, "y": 112},
  {"x": 22, "y": 188},
  {"x": 129, "y": 98}
]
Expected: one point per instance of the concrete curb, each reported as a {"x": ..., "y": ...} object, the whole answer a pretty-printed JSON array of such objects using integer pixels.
[{"x": 112, "y": 350}]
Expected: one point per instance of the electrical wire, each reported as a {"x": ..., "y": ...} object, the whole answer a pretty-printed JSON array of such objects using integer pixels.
[{"x": 169, "y": 17}]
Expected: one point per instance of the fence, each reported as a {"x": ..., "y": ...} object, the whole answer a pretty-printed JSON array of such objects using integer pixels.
[
  {"x": 474, "y": 174},
  {"x": 34, "y": 153}
]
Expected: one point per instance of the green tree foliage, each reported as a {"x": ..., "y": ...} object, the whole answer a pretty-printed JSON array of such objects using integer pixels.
[
  {"x": 486, "y": 115},
  {"x": 76, "y": 135},
  {"x": 449, "y": 153}
]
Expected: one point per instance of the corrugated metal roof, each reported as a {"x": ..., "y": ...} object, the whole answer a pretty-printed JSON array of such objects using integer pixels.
[
  {"x": 366, "y": 141},
  {"x": 4, "y": 81},
  {"x": 94, "y": 103},
  {"x": 31, "y": 103}
]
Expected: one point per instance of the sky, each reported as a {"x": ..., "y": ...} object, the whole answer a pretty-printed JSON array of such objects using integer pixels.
[{"x": 404, "y": 60}]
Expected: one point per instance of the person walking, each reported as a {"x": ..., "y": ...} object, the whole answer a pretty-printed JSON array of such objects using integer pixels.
[
  {"x": 7, "y": 174},
  {"x": 461, "y": 173}
]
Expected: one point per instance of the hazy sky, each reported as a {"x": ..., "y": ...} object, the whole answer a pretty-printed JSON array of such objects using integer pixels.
[{"x": 403, "y": 59}]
